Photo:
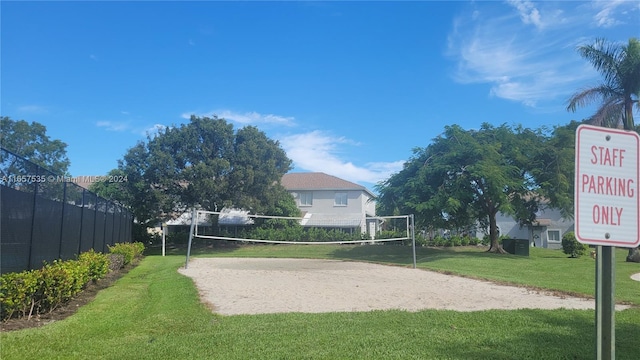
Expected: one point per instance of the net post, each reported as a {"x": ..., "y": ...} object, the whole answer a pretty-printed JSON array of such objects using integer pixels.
[
  {"x": 194, "y": 219},
  {"x": 413, "y": 240},
  {"x": 164, "y": 235}
]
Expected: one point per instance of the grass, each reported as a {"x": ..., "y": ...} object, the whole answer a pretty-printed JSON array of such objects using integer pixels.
[{"x": 154, "y": 313}]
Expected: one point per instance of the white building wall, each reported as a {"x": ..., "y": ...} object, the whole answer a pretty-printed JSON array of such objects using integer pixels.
[
  {"x": 324, "y": 203},
  {"x": 551, "y": 221}
]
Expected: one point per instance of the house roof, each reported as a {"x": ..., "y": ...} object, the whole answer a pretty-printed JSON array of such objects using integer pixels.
[
  {"x": 542, "y": 222},
  {"x": 319, "y": 181}
]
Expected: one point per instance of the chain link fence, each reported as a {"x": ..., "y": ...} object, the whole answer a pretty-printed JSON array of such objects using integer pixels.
[{"x": 46, "y": 216}]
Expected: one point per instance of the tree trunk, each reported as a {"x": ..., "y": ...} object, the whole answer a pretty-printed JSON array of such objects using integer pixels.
[
  {"x": 495, "y": 247},
  {"x": 634, "y": 255}
]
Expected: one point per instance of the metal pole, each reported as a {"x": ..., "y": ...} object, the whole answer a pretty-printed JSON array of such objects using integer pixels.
[
  {"x": 413, "y": 240},
  {"x": 82, "y": 210},
  {"x": 33, "y": 220},
  {"x": 605, "y": 304},
  {"x": 64, "y": 203},
  {"x": 193, "y": 222},
  {"x": 164, "y": 234}
]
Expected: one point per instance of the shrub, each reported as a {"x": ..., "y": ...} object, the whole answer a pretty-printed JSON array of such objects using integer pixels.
[
  {"x": 97, "y": 264},
  {"x": 130, "y": 251},
  {"x": 42, "y": 291},
  {"x": 421, "y": 240},
  {"x": 456, "y": 240},
  {"x": 116, "y": 261},
  {"x": 17, "y": 293},
  {"x": 59, "y": 282},
  {"x": 572, "y": 247},
  {"x": 439, "y": 240}
]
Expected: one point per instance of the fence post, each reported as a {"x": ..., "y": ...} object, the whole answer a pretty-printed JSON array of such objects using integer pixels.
[
  {"x": 95, "y": 218},
  {"x": 104, "y": 226},
  {"x": 64, "y": 204},
  {"x": 81, "y": 221},
  {"x": 33, "y": 220}
]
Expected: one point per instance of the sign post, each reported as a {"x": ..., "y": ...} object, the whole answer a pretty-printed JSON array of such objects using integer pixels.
[{"x": 607, "y": 206}]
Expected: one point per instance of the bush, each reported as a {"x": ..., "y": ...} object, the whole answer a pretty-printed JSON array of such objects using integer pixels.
[
  {"x": 33, "y": 292},
  {"x": 439, "y": 240},
  {"x": 97, "y": 264},
  {"x": 59, "y": 282},
  {"x": 572, "y": 247},
  {"x": 129, "y": 251},
  {"x": 116, "y": 261},
  {"x": 17, "y": 293}
]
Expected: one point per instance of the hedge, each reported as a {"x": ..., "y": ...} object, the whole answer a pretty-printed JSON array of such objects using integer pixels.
[{"x": 34, "y": 292}]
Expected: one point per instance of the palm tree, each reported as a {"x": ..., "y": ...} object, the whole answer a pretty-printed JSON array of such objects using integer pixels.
[{"x": 619, "y": 64}]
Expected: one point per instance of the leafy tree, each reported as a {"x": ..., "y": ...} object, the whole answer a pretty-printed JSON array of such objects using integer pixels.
[
  {"x": 619, "y": 65},
  {"x": 30, "y": 140},
  {"x": 115, "y": 190},
  {"x": 572, "y": 247},
  {"x": 465, "y": 177},
  {"x": 203, "y": 163},
  {"x": 553, "y": 168}
]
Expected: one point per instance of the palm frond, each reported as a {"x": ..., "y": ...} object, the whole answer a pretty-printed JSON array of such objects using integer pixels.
[
  {"x": 605, "y": 58},
  {"x": 609, "y": 114},
  {"x": 588, "y": 96}
]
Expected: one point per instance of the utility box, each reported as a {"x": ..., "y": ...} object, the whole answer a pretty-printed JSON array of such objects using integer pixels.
[
  {"x": 521, "y": 247},
  {"x": 516, "y": 246},
  {"x": 509, "y": 245}
]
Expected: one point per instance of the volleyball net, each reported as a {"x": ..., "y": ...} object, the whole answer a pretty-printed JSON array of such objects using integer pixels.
[{"x": 310, "y": 229}]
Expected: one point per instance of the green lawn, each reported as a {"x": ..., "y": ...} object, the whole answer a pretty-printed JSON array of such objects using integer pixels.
[{"x": 154, "y": 313}]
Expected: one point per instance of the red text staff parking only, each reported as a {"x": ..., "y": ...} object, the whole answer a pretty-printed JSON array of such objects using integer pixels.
[{"x": 606, "y": 186}]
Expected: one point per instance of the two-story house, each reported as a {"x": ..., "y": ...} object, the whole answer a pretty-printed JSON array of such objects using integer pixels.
[{"x": 329, "y": 201}]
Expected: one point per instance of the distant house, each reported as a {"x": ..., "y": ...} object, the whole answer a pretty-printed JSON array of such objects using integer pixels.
[
  {"x": 328, "y": 201},
  {"x": 545, "y": 232},
  {"x": 324, "y": 201}
]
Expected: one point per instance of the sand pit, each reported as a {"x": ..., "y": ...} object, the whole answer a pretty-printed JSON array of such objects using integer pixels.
[{"x": 259, "y": 286}]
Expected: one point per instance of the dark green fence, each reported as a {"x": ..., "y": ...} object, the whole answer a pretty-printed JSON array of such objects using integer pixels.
[{"x": 45, "y": 216}]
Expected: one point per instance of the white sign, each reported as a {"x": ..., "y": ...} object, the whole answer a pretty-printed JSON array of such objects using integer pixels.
[{"x": 607, "y": 202}]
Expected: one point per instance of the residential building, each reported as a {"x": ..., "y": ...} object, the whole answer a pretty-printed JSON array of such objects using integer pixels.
[
  {"x": 545, "y": 232},
  {"x": 328, "y": 201}
]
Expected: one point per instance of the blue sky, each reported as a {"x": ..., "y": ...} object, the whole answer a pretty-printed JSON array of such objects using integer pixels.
[{"x": 348, "y": 88}]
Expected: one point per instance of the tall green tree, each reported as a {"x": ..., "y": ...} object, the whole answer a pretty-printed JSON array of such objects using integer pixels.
[
  {"x": 203, "y": 163},
  {"x": 468, "y": 176},
  {"x": 553, "y": 168},
  {"x": 619, "y": 65},
  {"x": 30, "y": 140}
]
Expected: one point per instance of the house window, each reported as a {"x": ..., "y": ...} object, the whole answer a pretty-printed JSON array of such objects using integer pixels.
[
  {"x": 341, "y": 199},
  {"x": 306, "y": 199},
  {"x": 553, "y": 235}
]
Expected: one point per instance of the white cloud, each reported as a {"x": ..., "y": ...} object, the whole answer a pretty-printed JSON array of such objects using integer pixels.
[
  {"x": 313, "y": 151},
  {"x": 606, "y": 16},
  {"x": 520, "y": 63},
  {"x": 319, "y": 151},
  {"x": 153, "y": 130},
  {"x": 529, "y": 14},
  {"x": 247, "y": 118},
  {"x": 113, "y": 125}
]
